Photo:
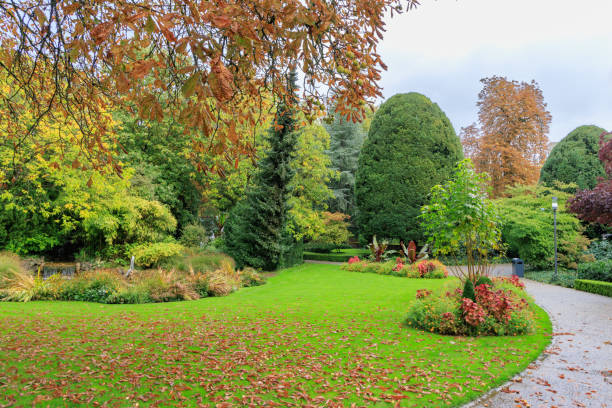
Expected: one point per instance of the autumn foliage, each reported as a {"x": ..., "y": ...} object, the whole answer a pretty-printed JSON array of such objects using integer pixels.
[
  {"x": 210, "y": 65},
  {"x": 596, "y": 205},
  {"x": 510, "y": 140}
]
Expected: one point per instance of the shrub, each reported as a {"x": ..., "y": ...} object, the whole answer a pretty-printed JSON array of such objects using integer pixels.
[
  {"x": 502, "y": 309},
  {"x": 598, "y": 271},
  {"x": 165, "y": 286},
  {"x": 483, "y": 280},
  {"x": 200, "y": 261},
  {"x": 574, "y": 160},
  {"x": 600, "y": 288},
  {"x": 601, "y": 249},
  {"x": 468, "y": 291},
  {"x": 250, "y": 277},
  {"x": 148, "y": 255},
  {"x": 194, "y": 235},
  {"x": 435, "y": 314},
  {"x": 528, "y": 230},
  {"x": 411, "y": 146},
  {"x": 431, "y": 269},
  {"x": 94, "y": 286},
  {"x": 129, "y": 295},
  {"x": 224, "y": 280},
  {"x": 335, "y": 233}
]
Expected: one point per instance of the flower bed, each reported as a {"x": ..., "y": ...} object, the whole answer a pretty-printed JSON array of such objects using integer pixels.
[
  {"x": 430, "y": 269},
  {"x": 502, "y": 308}
]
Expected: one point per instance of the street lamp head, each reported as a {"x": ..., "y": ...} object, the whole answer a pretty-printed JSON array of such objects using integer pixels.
[{"x": 554, "y": 204}]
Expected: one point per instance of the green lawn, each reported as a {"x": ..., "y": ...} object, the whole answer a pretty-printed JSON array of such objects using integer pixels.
[{"x": 312, "y": 335}]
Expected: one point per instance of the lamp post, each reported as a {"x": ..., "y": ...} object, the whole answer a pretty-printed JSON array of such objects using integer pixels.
[{"x": 554, "y": 207}]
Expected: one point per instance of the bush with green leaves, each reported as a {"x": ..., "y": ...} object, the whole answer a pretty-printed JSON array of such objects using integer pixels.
[
  {"x": 528, "y": 228},
  {"x": 601, "y": 249},
  {"x": 411, "y": 146},
  {"x": 460, "y": 220},
  {"x": 154, "y": 254},
  {"x": 574, "y": 160},
  {"x": 91, "y": 287},
  {"x": 598, "y": 270},
  {"x": 194, "y": 235}
]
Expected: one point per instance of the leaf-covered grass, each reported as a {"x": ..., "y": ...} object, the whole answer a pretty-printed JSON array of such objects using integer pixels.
[{"x": 313, "y": 335}]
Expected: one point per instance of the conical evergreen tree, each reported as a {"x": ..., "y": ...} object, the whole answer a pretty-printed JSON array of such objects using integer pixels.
[
  {"x": 346, "y": 139},
  {"x": 255, "y": 233}
]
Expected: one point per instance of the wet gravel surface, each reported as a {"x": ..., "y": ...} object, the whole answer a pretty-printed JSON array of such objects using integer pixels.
[{"x": 576, "y": 370}]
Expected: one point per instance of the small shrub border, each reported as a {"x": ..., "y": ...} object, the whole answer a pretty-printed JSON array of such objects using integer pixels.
[
  {"x": 597, "y": 287},
  {"x": 331, "y": 256}
]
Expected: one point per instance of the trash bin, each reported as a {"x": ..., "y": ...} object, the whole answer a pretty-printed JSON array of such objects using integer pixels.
[{"x": 518, "y": 267}]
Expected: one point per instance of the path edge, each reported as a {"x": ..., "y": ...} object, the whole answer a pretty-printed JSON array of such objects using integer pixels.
[{"x": 538, "y": 360}]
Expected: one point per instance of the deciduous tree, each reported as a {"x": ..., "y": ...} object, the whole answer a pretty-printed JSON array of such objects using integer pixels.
[
  {"x": 596, "y": 205},
  {"x": 202, "y": 62},
  {"x": 510, "y": 140}
]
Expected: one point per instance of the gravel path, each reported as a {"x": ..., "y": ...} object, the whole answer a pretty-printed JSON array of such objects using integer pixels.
[{"x": 576, "y": 369}]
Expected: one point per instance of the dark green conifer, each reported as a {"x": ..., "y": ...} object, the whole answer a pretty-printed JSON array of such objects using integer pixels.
[
  {"x": 468, "y": 290},
  {"x": 255, "y": 233}
]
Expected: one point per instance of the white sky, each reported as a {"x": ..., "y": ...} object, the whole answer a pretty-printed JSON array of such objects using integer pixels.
[{"x": 444, "y": 47}]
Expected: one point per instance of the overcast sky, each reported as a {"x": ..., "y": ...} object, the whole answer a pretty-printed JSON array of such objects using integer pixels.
[{"x": 444, "y": 47}]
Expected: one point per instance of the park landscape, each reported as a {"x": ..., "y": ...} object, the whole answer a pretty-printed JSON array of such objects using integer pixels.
[{"x": 212, "y": 204}]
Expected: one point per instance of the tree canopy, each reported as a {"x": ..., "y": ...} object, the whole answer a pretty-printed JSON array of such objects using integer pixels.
[
  {"x": 411, "y": 147},
  {"x": 510, "y": 141},
  {"x": 575, "y": 159},
  {"x": 595, "y": 205},
  {"x": 203, "y": 63}
]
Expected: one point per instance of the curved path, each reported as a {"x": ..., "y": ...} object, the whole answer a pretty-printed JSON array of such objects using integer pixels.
[{"x": 576, "y": 369}]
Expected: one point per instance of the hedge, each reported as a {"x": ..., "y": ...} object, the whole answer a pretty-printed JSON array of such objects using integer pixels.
[
  {"x": 600, "y": 288},
  {"x": 596, "y": 271},
  {"x": 331, "y": 257}
]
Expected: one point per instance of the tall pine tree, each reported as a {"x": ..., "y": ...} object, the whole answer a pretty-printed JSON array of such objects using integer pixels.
[
  {"x": 346, "y": 141},
  {"x": 256, "y": 232}
]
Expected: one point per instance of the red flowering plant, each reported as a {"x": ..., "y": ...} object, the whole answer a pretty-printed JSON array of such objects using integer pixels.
[
  {"x": 353, "y": 260},
  {"x": 399, "y": 264},
  {"x": 422, "y": 293}
]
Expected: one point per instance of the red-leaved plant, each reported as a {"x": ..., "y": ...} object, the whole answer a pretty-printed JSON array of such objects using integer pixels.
[
  {"x": 426, "y": 267},
  {"x": 473, "y": 313},
  {"x": 497, "y": 303},
  {"x": 399, "y": 264},
  {"x": 411, "y": 254}
]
